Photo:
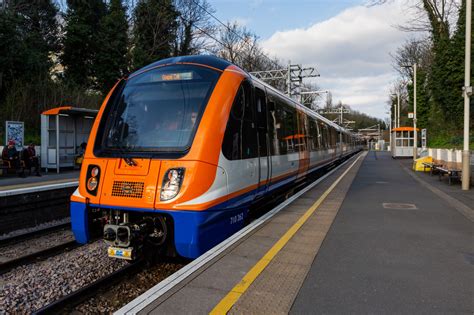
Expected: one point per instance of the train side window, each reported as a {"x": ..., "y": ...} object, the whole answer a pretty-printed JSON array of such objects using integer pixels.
[
  {"x": 333, "y": 137},
  {"x": 240, "y": 138},
  {"x": 313, "y": 134},
  {"x": 272, "y": 124},
  {"x": 285, "y": 125},
  {"x": 261, "y": 111},
  {"x": 324, "y": 136}
]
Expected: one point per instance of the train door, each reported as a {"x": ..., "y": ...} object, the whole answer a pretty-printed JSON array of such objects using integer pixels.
[
  {"x": 264, "y": 157},
  {"x": 240, "y": 145},
  {"x": 302, "y": 138}
]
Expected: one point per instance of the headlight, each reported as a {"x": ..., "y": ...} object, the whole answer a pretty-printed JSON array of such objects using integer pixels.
[
  {"x": 95, "y": 171},
  {"x": 92, "y": 179},
  {"x": 171, "y": 183},
  {"x": 92, "y": 183}
]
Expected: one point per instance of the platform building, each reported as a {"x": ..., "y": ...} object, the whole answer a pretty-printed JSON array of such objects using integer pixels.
[
  {"x": 402, "y": 142},
  {"x": 59, "y": 149}
]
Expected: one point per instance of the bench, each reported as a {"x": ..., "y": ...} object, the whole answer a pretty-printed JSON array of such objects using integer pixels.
[
  {"x": 452, "y": 173},
  {"x": 432, "y": 166},
  {"x": 5, "y": 166}
]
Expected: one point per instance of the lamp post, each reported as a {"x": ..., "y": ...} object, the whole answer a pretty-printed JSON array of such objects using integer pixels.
[
  {"x": 466, "y": 172},
  {"x": 398, "y": 109},
  {"x": 415, "y": 136},
  {"x": 394, "y": 117}
]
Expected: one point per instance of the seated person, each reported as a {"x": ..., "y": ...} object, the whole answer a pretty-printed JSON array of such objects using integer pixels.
[
  {"x": 30, "y": 158},
  {"x": 11, "y": 157},
  {"x": 80, "y": 153}
]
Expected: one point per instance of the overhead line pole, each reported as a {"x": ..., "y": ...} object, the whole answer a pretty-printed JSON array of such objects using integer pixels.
[
  {"x": 415, "y": 134},
  {"x": 397, "y": 122},
  {"x": 466, "y": 172}
]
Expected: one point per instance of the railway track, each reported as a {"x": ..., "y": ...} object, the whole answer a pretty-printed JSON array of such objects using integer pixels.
[
  {"x": 29, "y": 235},
  {"x": 37, "y": 256},
  {"x": 77, "y": 297}
]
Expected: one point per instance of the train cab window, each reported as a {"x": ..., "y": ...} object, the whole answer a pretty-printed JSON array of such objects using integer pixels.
[
  {"x": 156, "y": 111},
  {"x": 240, "y": 138}
]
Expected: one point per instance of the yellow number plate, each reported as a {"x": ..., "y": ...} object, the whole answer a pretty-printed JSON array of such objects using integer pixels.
[{"x": 122, "y": 253}]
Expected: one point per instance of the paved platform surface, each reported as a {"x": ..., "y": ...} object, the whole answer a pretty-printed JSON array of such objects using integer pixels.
[
  {"x": 10, "y": 181},
  {"x": 380, "y": 260},
  {"x": 454, "y": 190},
  {"x": 369, "y": 239}
]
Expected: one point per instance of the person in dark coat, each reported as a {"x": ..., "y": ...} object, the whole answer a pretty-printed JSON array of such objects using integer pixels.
[
  {"x": 11, "y": 156},
  {"x": 30, "y": 158}
]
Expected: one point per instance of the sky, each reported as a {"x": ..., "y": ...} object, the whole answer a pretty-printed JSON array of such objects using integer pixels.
[{"x": 348, "y": 42}]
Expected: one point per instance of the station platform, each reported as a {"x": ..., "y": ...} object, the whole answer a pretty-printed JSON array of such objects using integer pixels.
[
  {"x": 369, "y": 238},
  {"x": 11, "y": 184}
]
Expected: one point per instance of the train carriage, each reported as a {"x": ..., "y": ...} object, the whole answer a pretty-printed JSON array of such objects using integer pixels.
[{"x": 184, "y": 148}]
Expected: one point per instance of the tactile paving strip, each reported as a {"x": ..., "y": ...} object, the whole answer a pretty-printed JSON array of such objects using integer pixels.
[{"x": 274, "y": 291}]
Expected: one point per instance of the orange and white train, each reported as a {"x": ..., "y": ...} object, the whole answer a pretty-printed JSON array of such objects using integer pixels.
[{"x": 184, "y": 148}]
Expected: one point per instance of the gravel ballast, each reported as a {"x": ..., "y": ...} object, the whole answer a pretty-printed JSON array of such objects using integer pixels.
[
  {"x": 34, "y": 245},
  {"x": 28, "y": 288},
  {"x": 127, "y": 290}
]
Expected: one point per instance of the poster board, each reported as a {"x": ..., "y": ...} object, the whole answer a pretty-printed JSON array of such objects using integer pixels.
[{"x": 15, "y": 130}]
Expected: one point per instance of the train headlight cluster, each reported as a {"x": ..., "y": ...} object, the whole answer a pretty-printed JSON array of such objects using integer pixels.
[
  {"x": 92, "y": 179},
  {"x": 171, "y": 183}
]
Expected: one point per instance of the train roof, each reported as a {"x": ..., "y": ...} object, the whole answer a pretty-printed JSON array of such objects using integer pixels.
[
  {"x": 208, "y": 60},
  {"x": 222, "y": 64},
  {"x": 302, "y": 107}
]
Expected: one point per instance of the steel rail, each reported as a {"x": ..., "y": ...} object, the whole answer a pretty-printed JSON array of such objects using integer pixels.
[
  {"x": 66, "y": 303},
  {"x": 37, "y": 256},
  {"x": 30, "y": 235}
]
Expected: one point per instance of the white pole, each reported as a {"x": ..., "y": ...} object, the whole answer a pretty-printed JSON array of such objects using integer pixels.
[
  {"x": 57, "y": 143},
  {"x": 415, "y": 138},
  {"x": 466, "y": 172},
  {"x": 390, "y": 128},
  {"x": 398, "y": 111}
]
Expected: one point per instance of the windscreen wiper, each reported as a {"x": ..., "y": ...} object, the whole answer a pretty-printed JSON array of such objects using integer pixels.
[{"x": 124, "y": 151}]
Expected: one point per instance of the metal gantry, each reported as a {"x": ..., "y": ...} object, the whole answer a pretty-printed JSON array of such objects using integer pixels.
[
  {"x": 293, "y": 76},
  {"x": 340, "y": 111}
]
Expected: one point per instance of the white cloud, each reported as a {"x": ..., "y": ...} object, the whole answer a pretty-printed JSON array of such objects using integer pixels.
[{"x": 351, "y": 51}]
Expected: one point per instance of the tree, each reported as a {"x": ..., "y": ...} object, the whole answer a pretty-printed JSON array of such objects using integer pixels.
[
  {"x": 194, "y": 27},
  {"x": 29, "y": 36},
  {"x": 80, "y": 42},
  {"x": 240, "y": 46},
  {"x": 419, "y": 52},
  {"x": 154, "y": 31},
  {"x": 111, "y": 60}
]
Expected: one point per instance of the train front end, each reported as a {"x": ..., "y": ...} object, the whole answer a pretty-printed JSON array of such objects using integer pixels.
[{"x": 151, "y": 170}]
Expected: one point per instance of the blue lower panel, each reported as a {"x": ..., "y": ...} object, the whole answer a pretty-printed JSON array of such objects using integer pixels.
[
  {"x": 79, "y": 222},
  {"x": 195, "y": 232},
  {"x": 198, "y": 231}
]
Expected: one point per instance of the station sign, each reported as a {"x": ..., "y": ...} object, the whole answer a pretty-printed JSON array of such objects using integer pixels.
[{"x": 15, "y": 130}]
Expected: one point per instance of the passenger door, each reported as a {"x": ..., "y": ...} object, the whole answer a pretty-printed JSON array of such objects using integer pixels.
[
  {"x": 264, "y": 157},
  {"x": 240, "y": 146}
]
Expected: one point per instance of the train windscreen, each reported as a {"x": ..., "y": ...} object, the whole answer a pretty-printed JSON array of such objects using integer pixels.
[{"x": 159, "y": 110}]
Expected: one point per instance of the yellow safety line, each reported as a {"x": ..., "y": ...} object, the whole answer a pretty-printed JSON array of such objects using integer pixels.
[{"x": 231, "y": 298}]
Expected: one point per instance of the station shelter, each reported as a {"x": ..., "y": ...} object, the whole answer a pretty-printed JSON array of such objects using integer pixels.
[
  {"x": 402, "y": 142},
  {"x": 63, "y": 130}
]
